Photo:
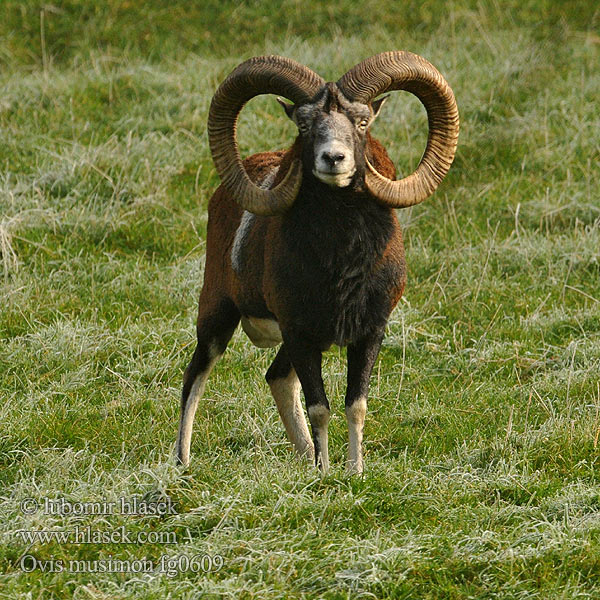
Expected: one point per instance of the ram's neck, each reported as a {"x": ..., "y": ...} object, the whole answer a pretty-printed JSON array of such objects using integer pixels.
[{"x": 327, "y": 225}]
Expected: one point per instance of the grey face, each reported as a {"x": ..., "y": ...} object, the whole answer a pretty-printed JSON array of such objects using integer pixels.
[{"x": 333, "y": 131}]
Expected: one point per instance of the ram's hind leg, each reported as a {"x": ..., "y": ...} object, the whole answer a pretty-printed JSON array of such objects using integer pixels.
[
  {"x": 216, "y": 323},
  {"x": 285, "y": 387}
]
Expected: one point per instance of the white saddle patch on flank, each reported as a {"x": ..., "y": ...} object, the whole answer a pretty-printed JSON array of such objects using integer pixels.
[
  {"x": 264, "y": 333},
  {"x": 243, "y": 231},
  {"x": 239, "y": 241}
]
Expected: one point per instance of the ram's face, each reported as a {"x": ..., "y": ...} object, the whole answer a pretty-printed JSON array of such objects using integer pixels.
[{"x": 333, "y": 132}]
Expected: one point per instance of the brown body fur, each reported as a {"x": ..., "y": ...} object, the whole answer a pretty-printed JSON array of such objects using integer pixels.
[{"x": 254, "y": 295}]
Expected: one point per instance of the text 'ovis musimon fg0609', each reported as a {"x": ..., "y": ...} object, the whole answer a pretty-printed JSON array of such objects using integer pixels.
[{"x": 303, "y": 245}]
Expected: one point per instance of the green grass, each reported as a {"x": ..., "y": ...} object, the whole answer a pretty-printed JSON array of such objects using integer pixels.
[{"x": 484, "y": 417}]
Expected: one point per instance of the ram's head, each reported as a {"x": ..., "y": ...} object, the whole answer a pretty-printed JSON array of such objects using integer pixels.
[{"x": 333, "y": 121}]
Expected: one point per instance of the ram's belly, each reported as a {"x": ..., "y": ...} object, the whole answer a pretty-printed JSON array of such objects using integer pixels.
[{"x": 264, "y": 333}]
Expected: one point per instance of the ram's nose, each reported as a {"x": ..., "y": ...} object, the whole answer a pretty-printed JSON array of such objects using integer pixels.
[{"x": 331, "y": 159}]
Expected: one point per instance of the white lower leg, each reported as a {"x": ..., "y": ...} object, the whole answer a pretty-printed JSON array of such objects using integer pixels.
[
  {"x": 186, "y": 420},
  {"x": 286, "y": 392},
  {"x": 355, "y": 416},
  {"x": 319, "y": 420}
]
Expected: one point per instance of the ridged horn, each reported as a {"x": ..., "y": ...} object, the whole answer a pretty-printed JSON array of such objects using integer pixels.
[
  {"x": 259, "y": 75},
  {"x": 406, "y": 71}
]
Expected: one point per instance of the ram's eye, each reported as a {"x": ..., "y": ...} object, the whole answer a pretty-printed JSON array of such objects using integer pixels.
[{"x": 362, "y": 124}]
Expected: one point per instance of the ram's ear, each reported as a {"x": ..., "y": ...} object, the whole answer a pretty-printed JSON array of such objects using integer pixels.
[
  {"x": 377, "y": 104},
  {"x": 289, "y": 108}
]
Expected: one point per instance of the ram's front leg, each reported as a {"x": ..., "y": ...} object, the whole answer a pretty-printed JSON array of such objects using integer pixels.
[
  {"x": 306, "y": 359},
  {"x": 361, "y": 358}
]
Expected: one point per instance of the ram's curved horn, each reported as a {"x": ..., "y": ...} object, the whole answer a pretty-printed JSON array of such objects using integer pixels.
[
  {"x": 406, "y": 71},
  {"x": 259, "y": 75}
]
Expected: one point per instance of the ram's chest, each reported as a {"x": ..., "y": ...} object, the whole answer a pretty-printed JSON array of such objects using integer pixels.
[{"x": 339, "y": 297}]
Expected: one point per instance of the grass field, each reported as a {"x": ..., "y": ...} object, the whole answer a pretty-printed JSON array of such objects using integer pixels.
[{"x": 484, "y": 417}]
